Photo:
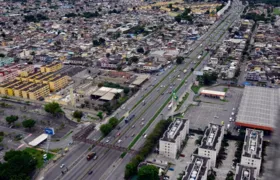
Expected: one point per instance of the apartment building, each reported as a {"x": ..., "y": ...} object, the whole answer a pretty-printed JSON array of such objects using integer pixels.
[
  {"x": 173, "y": 138},
  {"x": 18, "y": 89},
  {"x": 197, "y": 169},
  {"x": 4, "y": 86},
  {"x": 51, "y": 67},
  {"x": 252, "y": 149},
  {"x": 39, "y": 91},
  {"x": 8, "y": 73},
  {"x": 245, "y": 173},
  {"x": 211, "y": 142},
  {"x": 58, "y": 83}
]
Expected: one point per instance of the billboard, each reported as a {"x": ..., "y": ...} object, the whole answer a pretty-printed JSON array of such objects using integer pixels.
[
  {"x": 198, "y": 73},
  {"x": 49, "y": 131}
]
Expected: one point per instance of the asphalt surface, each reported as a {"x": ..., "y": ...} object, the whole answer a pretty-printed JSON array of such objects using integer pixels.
[{"x": 108, "y": 159}]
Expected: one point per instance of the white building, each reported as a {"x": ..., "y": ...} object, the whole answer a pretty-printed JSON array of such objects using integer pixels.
[
  {"x": 197, "y": 169},
  {"x": 211, "y": 142},
  {"x": 173, "y": 138},
  {"x": 252, "y": 149},
  {"x": 245, "y": 173}
]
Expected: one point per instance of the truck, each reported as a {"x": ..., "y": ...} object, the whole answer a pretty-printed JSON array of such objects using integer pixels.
[
  {"x": 169, "y": 106},
  {"x": 91, "y": 155},
  {"x": 185, "y": 71}
]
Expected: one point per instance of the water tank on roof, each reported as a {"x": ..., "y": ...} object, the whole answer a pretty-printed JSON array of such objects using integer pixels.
[
  {"x": 246, "y": 173},
  {"x": 198, "y": 163},
  {"x": 192, "y": 178}
]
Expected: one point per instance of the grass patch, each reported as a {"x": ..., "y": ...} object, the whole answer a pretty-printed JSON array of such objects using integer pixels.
[
  {"x": 38, "y": 155},
  {"x": 55, "y": 150},
  {"x": 224, "y": 100},
  {"x": 195, "y": 89},
  {"x": 225, "y": 89},
  {"x": 182, "y": 101},
  {"x": 276, "y": 11}
]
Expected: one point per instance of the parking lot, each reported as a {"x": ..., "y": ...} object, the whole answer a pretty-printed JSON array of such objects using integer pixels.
[{"x": 215, "y": 110}]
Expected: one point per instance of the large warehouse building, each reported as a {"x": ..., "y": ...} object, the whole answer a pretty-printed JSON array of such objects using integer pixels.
[{"x": 258, "y": 108}]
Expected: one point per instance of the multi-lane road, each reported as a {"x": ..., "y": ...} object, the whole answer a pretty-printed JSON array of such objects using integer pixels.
[{"x": 108, "y": 165}]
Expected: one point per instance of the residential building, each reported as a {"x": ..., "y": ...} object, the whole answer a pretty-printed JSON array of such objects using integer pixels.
[
  {"x": 8, "y": 73},
  {"x": 245, "y": 173},
  {"x": 23, "y": 85},
  {"x": 197, "y": 169},
  {"x": 58, "y": 83},
  {"x": 252, "y": 149},
  {"x": 51, "y": 67},
  {"x": 211, "y": 142},
  {"x": 6, "y": 61},
  {"x": 173, "y": 138},
  {"x": 38, "y": 91}
]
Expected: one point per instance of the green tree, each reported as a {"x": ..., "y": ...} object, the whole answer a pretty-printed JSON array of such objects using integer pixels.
[
  {"x": 100, "y": 115},
  {"x": 148, "y": 172},
  {"x": 18, "y": 165},
  {"x": 53, "y": 108},
  {"x": 130, "y": 170},
  {"x": 11, "y": 119},
  {"x": 126, "y": 90},
  {"x": 106, "y": 129},
  {"x": 28, "y": 123},
  {"x": 113, "y": 121},
  {"x": 179, "y": 60},
  {"x": 78, "y": 114}
]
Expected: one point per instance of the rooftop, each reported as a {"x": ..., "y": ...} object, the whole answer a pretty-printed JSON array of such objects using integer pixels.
[
  {"x": 196, "y": 169},
  {"x": 174, "y": 130},
  {"x": 245, "y": 173},
  {"x": 253, "y": 143},
  {"x": 211, "y": 136},
  {"x": 258, "y": 108}
]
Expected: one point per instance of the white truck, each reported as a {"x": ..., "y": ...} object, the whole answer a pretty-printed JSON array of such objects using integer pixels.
[{"x": 169, "y": 106}]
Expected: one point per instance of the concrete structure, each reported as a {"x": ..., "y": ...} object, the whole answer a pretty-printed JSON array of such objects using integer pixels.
[
  {"x": 58, "y": 83},
  {"x": 258, "y": 108},
  {"x": 245, "y": 173},
  {"x": 211, "y": 93},
  {"x": 211, "y": 142},
  {"x": 8, "y": 73},
  {"x": 252, "y": 149},
  {"x": 38, "y": 140},
  {"x": 173, "y": 138},
  {"x": 197, "y": 169},
  {"x": 38, "y": 92}
]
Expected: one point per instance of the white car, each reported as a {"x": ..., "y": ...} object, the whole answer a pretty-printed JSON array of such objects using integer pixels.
[
  {"x": 123, "y": 107},
  {"x": 62, "y": 166},
  {"x": 232, "y": 113},
  {"x": 145, "y": 135},
  {"x": 142, "y": 123},
  {"x": 119, "y": 141},
  {"x": 143, "y": 119},
  {"x": 107, "y": 140}
]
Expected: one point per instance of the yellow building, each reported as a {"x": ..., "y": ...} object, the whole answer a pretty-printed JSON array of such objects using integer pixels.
[
  {"x": 58, "y": 83},
  {"x": 40, "y": 78},
  {"x": 3, "y": 87},
  {"x": 51, "y": 67},
  {"x": 39, "y": 91},
  {"x": 9, "y": 90},
  {"x": 18, "y": 89}
]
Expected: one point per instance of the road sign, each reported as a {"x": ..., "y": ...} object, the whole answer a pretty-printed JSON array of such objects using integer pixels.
[
  {"x": 198, "y": 73},
  {"x": 49, "y": 131}
]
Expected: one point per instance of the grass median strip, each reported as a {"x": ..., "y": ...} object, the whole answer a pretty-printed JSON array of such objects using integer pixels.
[{"x": 182, "y": 101}]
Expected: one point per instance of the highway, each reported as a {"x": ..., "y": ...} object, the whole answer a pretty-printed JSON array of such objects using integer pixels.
[{"x": 154, "y": 101}]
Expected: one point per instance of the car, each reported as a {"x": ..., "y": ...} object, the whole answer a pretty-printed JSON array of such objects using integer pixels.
[
  {"x": 90, "y": 172},
  {"x": 132, "y": 135},
  {"x": 107, "y": 140},
  {"x": 62, "y": 166},
  {"x": 123, "y": 107},
  {"x": 118, "y": 128},
  {"x": 142, "y": 123},
  {"x": 232, "y": 113},
  {"x": 133, "y": 126},
  {"x": 217, "y": 117},
  {"x": 162, "y": 93},
  {"x": 233, "y": 109},
  {"x": 95, "y": 157},
  {"x": 145, "y": 135},
  {"x": 119, "y": 141},
  {"x": 143, "y": 119},
  {"x": 161, "y": 86},
  {"x": 118, "y": 134}
]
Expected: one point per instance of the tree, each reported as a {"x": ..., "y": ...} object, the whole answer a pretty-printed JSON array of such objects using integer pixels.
[
  {"x": 179, "y": 60},
  {"x": 11, "y": 119},
  {"x": 134, "y": 59},
  {"x": 106, "y": 129},
  {"x": 78, "y": 114},
  {"x": 126, "y": 90},
  {"x": 148, "y": 172},
  {"x": 198, "y": 141},
  {"x": 28, "y": 123},
  {"x": 113, "y": 121},
  {"x": 140, "y": 50},
  {"x": 130, "y": 170},
  {"x": 178, "y": 18},
  {"x": 53, "y": 108},
  {"x": 18, "y": 165},
  {"x": 117, "y": 96},
  {"x": 170, "y": 6},
  {"x": 100, "y": 115},
  {"x": 211, "y": 174}
]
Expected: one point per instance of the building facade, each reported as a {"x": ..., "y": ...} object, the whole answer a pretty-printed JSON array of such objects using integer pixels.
[
  {"x": 211, "y": 142},
  {"x": 245, "y": 173},
  {"x": 173, "y": 138}
]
